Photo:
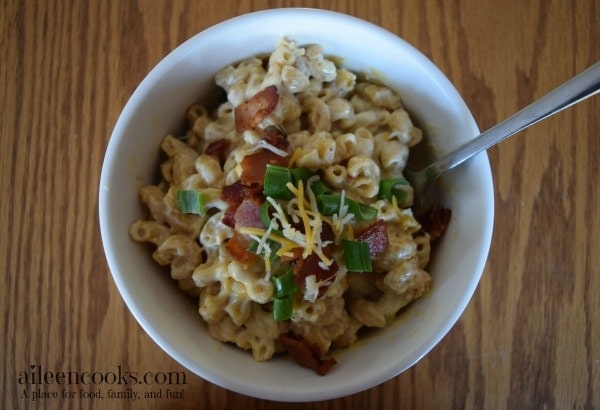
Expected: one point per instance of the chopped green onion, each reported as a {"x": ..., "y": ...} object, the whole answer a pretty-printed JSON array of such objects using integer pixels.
[
  {"x": 319, "y": 188},
  {"x": 253, "y": 246},
  {"x": 274, "y": 246},
  {"x": 284, "y": 285},
  {"x": 300, "y": 174},
  {"x": 330, "y": 205},
  {"x": 396, "y": 187},
  {"x": 276, "y": 179},
  {"x": 357, "y": 256},
  {"x": 283, "y": 292},
  {"x": 361, "y": 211},
  {"x": 386, "y": 185},
  {"x": 265, "y": 216},
  {"x": 283, "y": 308},
  {"x": 190, "y": 202},
  {"x": 400, "y": 194},
  {"x": 265, "y": 213}
]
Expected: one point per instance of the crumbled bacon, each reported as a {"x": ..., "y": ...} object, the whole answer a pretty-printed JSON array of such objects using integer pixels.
[
  {"x": 228, "y": 216},
  {"x": 249, "y": 114},
  {"x": 237, "y": 246},
  {"x": 376, "y": 236},
  {"x": 250, "y": 185},
  {"x": 247, "y": 214},
  {"x": 327, "y": 235},
  {"x": 255, "y": 165},
  {"x": 274, "y": 137},
  {"x": 234, "y": 194},
  {"x": 435, "y": 221},
  {"x": 218, "y": 148},
  {"x": 305, "y": 267},
  {"x": 306, "y": 354}
]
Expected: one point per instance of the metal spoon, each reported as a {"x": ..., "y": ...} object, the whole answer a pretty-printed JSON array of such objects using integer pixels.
[{"x": 578, "y": 88}]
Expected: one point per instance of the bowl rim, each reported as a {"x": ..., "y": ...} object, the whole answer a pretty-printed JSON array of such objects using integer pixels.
[{"x": 352, "y": 386}]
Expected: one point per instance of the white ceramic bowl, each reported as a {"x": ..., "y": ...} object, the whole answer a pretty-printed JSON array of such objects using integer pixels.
[{"x": 158, "y": 106}]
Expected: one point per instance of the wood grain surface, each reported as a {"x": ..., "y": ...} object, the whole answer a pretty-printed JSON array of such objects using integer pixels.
[{"x": 530, "y": 338}]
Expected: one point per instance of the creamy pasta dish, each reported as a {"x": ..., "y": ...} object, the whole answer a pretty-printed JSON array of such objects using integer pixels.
[{"x": 284, "y": 211}]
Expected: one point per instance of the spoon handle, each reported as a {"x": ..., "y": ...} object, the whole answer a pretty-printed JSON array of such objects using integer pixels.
[{"x": 580, "y": 87}]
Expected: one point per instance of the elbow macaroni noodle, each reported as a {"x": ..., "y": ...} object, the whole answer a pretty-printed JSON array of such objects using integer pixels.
[{"x": 354, "y": 134}]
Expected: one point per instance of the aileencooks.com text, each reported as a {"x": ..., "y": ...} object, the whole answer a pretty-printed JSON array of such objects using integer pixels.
[{"x": 36, "y": 375}]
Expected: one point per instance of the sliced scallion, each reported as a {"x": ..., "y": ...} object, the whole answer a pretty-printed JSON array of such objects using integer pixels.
[
  {"x": 265, "y": 216},
  {"x": 361, "y": 211},
  {"x": 319, "y": 188},
  {"x": 357, "y": 256},
  {"x": 273, "y": 246},
  {"x": 284, "y": 285},
  {"x": 253, "y": 246},
  {"x": 330, "y": 205},
  {"x": 265, "y": 213},
  {"x": 395, "y": 187},
  {"x": 190, "y": 202},
  {"x": 300, "y": 174},
  {"x": 284, "y": 288},
  {"x": 283, "y": 308},
  {"x": 276, "y": 179}
]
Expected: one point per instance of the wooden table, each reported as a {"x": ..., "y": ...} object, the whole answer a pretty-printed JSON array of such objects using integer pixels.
[{"x": 530, "y": 337}]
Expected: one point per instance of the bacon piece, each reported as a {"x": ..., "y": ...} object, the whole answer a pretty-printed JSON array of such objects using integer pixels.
[
  {"x": 435, "y": 221},
  {"x": 306, "y": 354},
  {"x": 237, "y": 246},
  {"x": 228, "y": 216},
  {"x": 274, "y": 137},
  {"x": 376, "y": 236},
  {"x": 234, "y": 195},
  {"x": 310, "y": 266},
  {"x": 255, "y": 165},
  {"x": 249, "y": 114},
  {"x": 247, "y": 214},
  {"x": 254, "y": 191},
  {"x": 218, "y": 148},
  {"x": 327, "y": 235}
]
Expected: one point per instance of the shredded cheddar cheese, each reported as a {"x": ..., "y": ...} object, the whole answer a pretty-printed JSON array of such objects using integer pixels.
[
  {"x": 311, "y": 288},
  {"x": 395, "y": 205},
  {"x": 308, "y": 231},
  {"x": 264, "y": 144},
  {"x": 342, "y": 220},
  {"x": 312, "y": 221},
  {"x": 295, "y": 155},
  {"x": 299, "y": 209},
  {"x": 272, "y": 236}
]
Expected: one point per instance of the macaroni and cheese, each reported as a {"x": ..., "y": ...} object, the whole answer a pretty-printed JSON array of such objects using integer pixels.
[{"x": 284, "y": 211}]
